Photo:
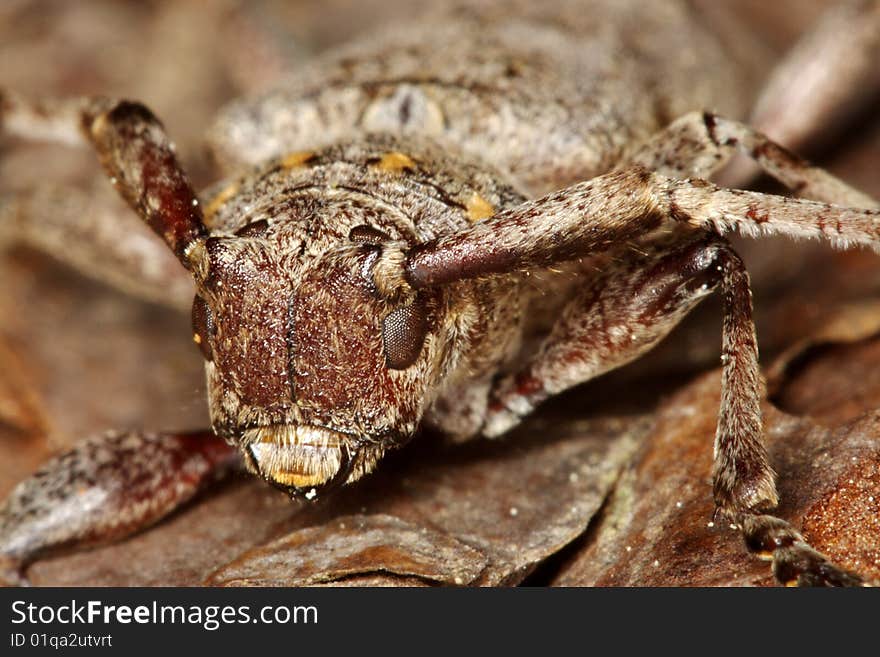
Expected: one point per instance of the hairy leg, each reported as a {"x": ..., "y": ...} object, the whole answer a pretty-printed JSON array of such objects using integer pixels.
[
  {"x": 623, "y": 313},
  {"x": 104, "y": 489},
  {"x": 640, "y": 293},
  {"x": 627, "y": 310},
  {"x": 699, "y": 144}
]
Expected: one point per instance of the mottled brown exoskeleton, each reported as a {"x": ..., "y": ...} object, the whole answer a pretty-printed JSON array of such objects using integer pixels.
[{"x": 400, "y": 223}]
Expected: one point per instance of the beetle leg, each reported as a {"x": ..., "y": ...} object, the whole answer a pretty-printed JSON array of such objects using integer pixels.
[
  {"x": 623, "y": 314},
  {"x": 699, "y": 144},
  {"x": 639, "y": 295},
  {"x": 103, "y": 489}
]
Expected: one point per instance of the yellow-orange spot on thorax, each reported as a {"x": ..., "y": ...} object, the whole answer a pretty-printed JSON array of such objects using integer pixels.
[
  {"x": 395, "y": 162},
  {"x": 297, "y": 159},
  {"x": 479, "y": 208},
  {"x": 218, "y": 201}
]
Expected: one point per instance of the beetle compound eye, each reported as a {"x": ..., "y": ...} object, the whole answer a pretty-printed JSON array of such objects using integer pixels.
[
  {"x": 403, "y": 334},
  {"x": 203, "y": 327}
]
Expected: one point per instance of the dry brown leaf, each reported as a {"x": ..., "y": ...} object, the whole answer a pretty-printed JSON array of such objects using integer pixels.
[
  {"x": 350, "y": 546},
  {"x": 846, "y": 324}
]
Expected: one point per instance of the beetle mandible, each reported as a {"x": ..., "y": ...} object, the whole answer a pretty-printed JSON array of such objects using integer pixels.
[{"x": 371, "y": 262}]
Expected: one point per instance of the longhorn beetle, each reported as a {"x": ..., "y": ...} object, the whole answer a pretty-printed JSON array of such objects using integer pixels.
[{"x": 390, "y": 218}]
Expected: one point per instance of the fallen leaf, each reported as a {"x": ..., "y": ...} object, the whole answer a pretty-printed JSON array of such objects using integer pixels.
[{"x": 354, "y": 545}]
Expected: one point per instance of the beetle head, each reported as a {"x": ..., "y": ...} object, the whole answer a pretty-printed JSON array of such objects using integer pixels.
[{"x": 311, "y": 371}]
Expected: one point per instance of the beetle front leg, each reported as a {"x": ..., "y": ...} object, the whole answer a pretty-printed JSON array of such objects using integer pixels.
[
  {"x": 636, "y": 302},
  {"x": 624, "y": 313},
  {"x": 640, "y": 294},
  {"x": 104, "y": 489}
]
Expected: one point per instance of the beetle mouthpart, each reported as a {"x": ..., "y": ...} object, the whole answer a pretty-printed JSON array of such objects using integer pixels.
[{"x": 299, "y": 459}]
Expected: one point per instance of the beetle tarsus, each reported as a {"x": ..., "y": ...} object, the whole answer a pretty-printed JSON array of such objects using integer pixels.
[{"x": 794, "y": 561}]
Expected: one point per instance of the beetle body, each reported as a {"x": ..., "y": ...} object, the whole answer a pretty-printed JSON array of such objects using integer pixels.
[
  {"x": 548, "y": 95},
  {"x": 443, "y": 124}
]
